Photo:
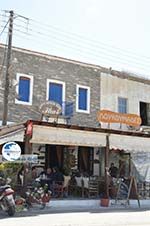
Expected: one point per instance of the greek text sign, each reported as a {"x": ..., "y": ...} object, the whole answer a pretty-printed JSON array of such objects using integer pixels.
[{"x": 114, "y": 117}]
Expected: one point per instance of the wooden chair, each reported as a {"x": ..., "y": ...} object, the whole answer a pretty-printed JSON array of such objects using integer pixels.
[
  {"x": 66, "y": 185},
  {"x": 58, "y": 189},
  {"x": 93, "y": 189}
]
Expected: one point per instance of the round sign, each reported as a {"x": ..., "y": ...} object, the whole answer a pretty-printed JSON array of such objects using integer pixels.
[
  {"x": 50, "y": 108},
  {"x": 11, "y": 151}
]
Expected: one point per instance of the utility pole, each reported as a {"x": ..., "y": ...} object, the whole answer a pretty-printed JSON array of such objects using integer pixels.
[{"x": 8, "y": 63}]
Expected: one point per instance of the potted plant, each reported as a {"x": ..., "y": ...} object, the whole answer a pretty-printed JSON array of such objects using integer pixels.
[{"x": 104, "y": 201}]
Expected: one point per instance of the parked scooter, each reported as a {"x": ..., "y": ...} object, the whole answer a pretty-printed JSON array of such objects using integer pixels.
[{"x": 7, "y": 202}]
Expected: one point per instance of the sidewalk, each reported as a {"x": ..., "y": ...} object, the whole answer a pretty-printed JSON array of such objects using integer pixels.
[{"x": 96, "y": 204}]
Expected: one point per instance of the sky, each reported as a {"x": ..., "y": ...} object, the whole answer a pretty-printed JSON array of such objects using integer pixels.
[{"x": 109, "y": 33}]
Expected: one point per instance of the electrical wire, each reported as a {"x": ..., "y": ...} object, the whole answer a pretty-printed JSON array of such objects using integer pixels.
[
  {"x": 86, "y": 50},
  {"x": 4, "y": 57},
  {"x": 94, "y": 42},
  {"x": 96, "y": 57},
  {"x": 4, "y": 28},
  {"x": 68, "y": 34},
  {"x": 77, "y": 43}
]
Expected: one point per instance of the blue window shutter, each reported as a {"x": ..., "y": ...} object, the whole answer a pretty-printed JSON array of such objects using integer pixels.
[
  {"x": 24, "y": 89},
  {"x": 82, "y": 99},
  {"x": 55, "y": 92}
]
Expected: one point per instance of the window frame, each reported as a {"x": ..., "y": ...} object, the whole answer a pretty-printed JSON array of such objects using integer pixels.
[
  {"x": 30, "y": 77},
  {"x": 126, "y": 105},
  {"x": 77, "y": 98},
  {"x": 63, "y": 90}
]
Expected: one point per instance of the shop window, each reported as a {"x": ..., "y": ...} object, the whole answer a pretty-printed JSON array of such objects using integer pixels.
[
  {"x": 122, "y": 105},
  {"x": 83, "y": 99},
  {"x": 24, "y": 89}
]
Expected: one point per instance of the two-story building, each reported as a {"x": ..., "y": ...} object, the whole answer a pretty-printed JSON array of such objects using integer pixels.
[{"x": 81, "y": 90}]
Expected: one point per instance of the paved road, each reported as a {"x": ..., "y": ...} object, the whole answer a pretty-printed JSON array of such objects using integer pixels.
[{"x": 96, "y": 217}]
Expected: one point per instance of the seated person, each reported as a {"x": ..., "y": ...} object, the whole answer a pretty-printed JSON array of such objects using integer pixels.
[
  {"x": 57, "y": 175},
  {"x": 58, "y": 181},
  {"x": 113, "y": 170},
  {"x": 46, "y": 177}
]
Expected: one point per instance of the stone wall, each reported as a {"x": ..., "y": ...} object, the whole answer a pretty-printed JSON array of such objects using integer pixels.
[{"x": 43, "y": 67}]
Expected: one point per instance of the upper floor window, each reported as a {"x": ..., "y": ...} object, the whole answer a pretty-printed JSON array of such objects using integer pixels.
[
  {"x": 83, "y": 99},
  {"x": 56, "y": 91},
  {"x": 24, "y": 89},
  {"x": 122, "y": 105}
]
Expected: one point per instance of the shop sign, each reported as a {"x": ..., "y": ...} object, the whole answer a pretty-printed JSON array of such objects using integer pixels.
[
  {"x": 50, "y": 108},
  {"x": 114, "y": 117},
  {"x": 28, "y": 158},
  {"x": 23, "y": 159},
  {"x": 11, "y": 151}
]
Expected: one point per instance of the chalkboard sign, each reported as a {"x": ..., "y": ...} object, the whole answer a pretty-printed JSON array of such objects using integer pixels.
[{"x": 127, "y": 189}]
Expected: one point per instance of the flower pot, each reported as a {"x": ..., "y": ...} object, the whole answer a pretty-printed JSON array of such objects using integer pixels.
[{"x": 104, "y": 202}]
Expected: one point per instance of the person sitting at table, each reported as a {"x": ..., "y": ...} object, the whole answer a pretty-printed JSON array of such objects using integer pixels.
[
  {"x": 50, "y": 178},
  {"x": 58, "y": 180},
  {"x": 57, "y": 175},
  {"x": 113, "y": 170},
  {"x": 46, "y": 178}
]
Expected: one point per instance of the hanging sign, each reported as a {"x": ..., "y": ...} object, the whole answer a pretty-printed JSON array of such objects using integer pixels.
[
  {"x": 50, "y": 108},
  {"x": 114, "y": 117}
]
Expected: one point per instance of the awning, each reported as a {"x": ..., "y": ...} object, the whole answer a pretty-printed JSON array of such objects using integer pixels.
[
  {"x": 139, "y": 149},
  {"x": 129, "y": 143},
  {"x": 13, "y": 136},
  {"x": 13, "y": 132},
  {"x": 63, "y": 136}
]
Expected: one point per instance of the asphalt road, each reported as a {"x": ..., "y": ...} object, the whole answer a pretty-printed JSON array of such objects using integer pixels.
[{"x": 95, "y": 217}]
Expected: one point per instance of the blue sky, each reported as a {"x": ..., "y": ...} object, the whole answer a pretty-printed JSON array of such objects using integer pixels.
[{"x": 111, "y": 33}]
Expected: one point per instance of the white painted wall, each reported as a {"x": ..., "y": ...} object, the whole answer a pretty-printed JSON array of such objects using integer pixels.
[{"x": 113, "y": 87}]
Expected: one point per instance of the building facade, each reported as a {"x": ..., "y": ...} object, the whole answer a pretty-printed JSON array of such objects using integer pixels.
[
  {"x": 123, "y": 93},
  {"x": 81, "y": 90},
  {"x": 36, "y": 78}
]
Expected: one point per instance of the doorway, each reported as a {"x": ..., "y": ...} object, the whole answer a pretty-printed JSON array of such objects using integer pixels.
[
  {"x": 85, "y": 160},
  {"x": 54, "y": 156}
]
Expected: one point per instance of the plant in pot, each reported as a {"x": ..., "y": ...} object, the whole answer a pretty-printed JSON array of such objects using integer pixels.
[{"x": 105, "y": 200}]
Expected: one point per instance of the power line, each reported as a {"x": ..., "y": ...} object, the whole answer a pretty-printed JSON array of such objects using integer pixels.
[
  {"x": 88, "y": 50},
  {"x": 97, "y": 57},
  {"x": 68, "y": 35},
  {"x": 4, "y": 28},
  {"x": 4, "y": 57},
  {"x": 49, "y": 28},
  {"x": 82, "y": 37},
  {"x": 97, "y": 49},
  {"x": 135, "y": 59}
]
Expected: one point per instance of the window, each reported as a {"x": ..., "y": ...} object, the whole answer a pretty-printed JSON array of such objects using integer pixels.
[
  {"x": 83, "y": 99},
  {"x": 56, "y": 91},
  {"x": 145, "y": 113},
  {"x": 24, "y": 89},
  {"x": 122, "y": 105}
]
